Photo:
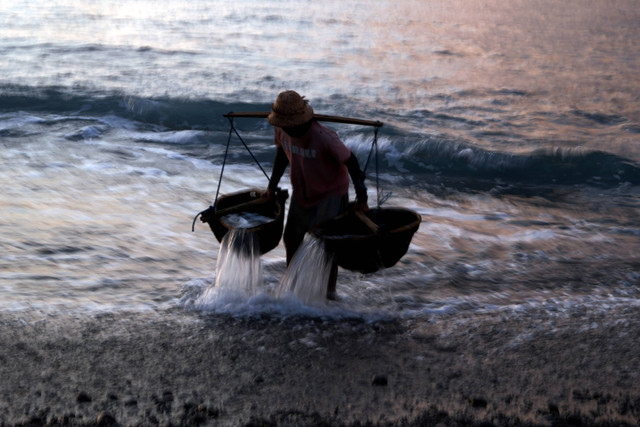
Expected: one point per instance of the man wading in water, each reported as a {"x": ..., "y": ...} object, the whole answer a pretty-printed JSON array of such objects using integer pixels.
[{"x": 319, "y": 167}]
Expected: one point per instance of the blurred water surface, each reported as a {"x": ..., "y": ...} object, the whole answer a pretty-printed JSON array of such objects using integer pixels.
[{"x": 512, "y": 128}]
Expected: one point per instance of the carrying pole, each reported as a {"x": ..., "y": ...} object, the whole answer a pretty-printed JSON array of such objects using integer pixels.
[{"x": 319, "y": 117}]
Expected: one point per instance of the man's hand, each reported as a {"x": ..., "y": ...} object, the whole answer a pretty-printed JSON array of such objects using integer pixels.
[{"x": 267, "y": 194}]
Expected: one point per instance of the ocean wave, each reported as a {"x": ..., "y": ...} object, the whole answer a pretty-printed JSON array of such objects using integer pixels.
[
  {"x": 63, "y": 49},
  {"x": 184, "y": 120},
  {"x": 172, "y": 113},
  {"x": 600, "y": 118},
  {"x": 559, "y": 165}
]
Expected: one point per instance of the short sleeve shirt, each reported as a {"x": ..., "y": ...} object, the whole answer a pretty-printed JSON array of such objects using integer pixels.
[{"x": 316, "y": 164}]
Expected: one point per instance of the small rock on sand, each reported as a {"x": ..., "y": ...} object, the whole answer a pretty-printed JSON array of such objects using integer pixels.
[
  {"x": 379, "y": 380},
  {"x": 83, "y": 397}
]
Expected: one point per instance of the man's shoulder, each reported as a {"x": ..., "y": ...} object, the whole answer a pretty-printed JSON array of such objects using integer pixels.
[
  {"x": 327, "y": 140},
  {"x": 321, "y": 131}
]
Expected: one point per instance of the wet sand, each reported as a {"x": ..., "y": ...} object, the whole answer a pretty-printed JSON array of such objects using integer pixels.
[{"x": 187, "y": 369}]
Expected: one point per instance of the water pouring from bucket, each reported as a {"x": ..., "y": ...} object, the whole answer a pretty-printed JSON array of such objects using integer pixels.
[
  {"x": 238, "y": 271},
  {"x": 308, "y": 273},
  {"x": 247, "y": 225}
]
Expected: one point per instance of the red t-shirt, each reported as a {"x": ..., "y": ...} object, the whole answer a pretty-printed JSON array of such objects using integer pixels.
[{"x": 316, "y": 164}]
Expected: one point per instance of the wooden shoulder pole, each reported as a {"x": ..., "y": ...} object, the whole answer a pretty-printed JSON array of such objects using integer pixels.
[{"x": 319, "y": 117}]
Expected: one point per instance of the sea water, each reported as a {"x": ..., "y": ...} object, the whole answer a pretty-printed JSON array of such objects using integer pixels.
[
  {"x": 308, "y": 273},
  {"x": 245, "y": 220},
  {"x": 511, "y": 127},
  {"x": 238, "y": 271}
]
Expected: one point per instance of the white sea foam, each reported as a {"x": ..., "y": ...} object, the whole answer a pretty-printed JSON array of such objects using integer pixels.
[{"x": 172, "y": 137}]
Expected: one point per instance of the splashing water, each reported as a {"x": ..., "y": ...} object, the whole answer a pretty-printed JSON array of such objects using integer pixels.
[
  {"x": 239, "y": 275},
  {"x": 238, "y": 271},
  {"x": 307, "y": 274}
]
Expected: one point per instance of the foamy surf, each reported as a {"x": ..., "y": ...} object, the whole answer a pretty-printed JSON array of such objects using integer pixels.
[{"x": 239, "y": 286}]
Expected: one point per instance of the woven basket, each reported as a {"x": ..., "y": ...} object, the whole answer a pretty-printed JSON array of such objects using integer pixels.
[
  {"x": 250, "y": 201},
  {"x": 357, "y": 247}
]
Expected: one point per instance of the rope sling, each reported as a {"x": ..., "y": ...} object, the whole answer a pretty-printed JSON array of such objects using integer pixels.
[
  {"x": 358, "y": 241},
  {"x": 232, "y": 129}
]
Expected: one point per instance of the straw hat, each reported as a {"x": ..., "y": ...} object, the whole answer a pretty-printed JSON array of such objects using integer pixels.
[{"x": 289, "y": 110}]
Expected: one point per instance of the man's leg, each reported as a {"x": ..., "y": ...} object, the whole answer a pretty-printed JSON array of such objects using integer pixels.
[
  {"x": 294, "y": 231},
  {"x": 329, "y": 208},
  {"x": 333, "y": 279},
  {"x": 291, "y": 245}
]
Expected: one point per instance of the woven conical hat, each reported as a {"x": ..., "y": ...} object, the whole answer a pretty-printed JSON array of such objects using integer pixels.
[{"x": 290, "y": 109}]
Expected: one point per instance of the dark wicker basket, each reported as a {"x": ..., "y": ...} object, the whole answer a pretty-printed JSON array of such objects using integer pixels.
[
  {"x": 357, "y": 247},
  {"x": 268, "y": 234}
]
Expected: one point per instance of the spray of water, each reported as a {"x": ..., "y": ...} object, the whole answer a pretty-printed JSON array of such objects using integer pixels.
[
  {"x": 238, "y": 271},
  {"x": 307, "y": 274}
]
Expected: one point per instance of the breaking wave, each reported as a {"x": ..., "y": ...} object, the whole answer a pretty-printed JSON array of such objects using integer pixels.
[{"x": 418, "y": 156}]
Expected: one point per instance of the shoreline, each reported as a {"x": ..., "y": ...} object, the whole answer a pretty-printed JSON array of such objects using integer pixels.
[{"x": 188, "y": 368}]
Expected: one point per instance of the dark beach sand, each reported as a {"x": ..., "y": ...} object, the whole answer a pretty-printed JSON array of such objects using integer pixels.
[{"x": 186, "y": 369}]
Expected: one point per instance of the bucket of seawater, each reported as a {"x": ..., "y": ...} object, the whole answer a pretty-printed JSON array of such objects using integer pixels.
[
  {"x": 368, "y": 242},
  {"x": 249, "y": 211}
]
